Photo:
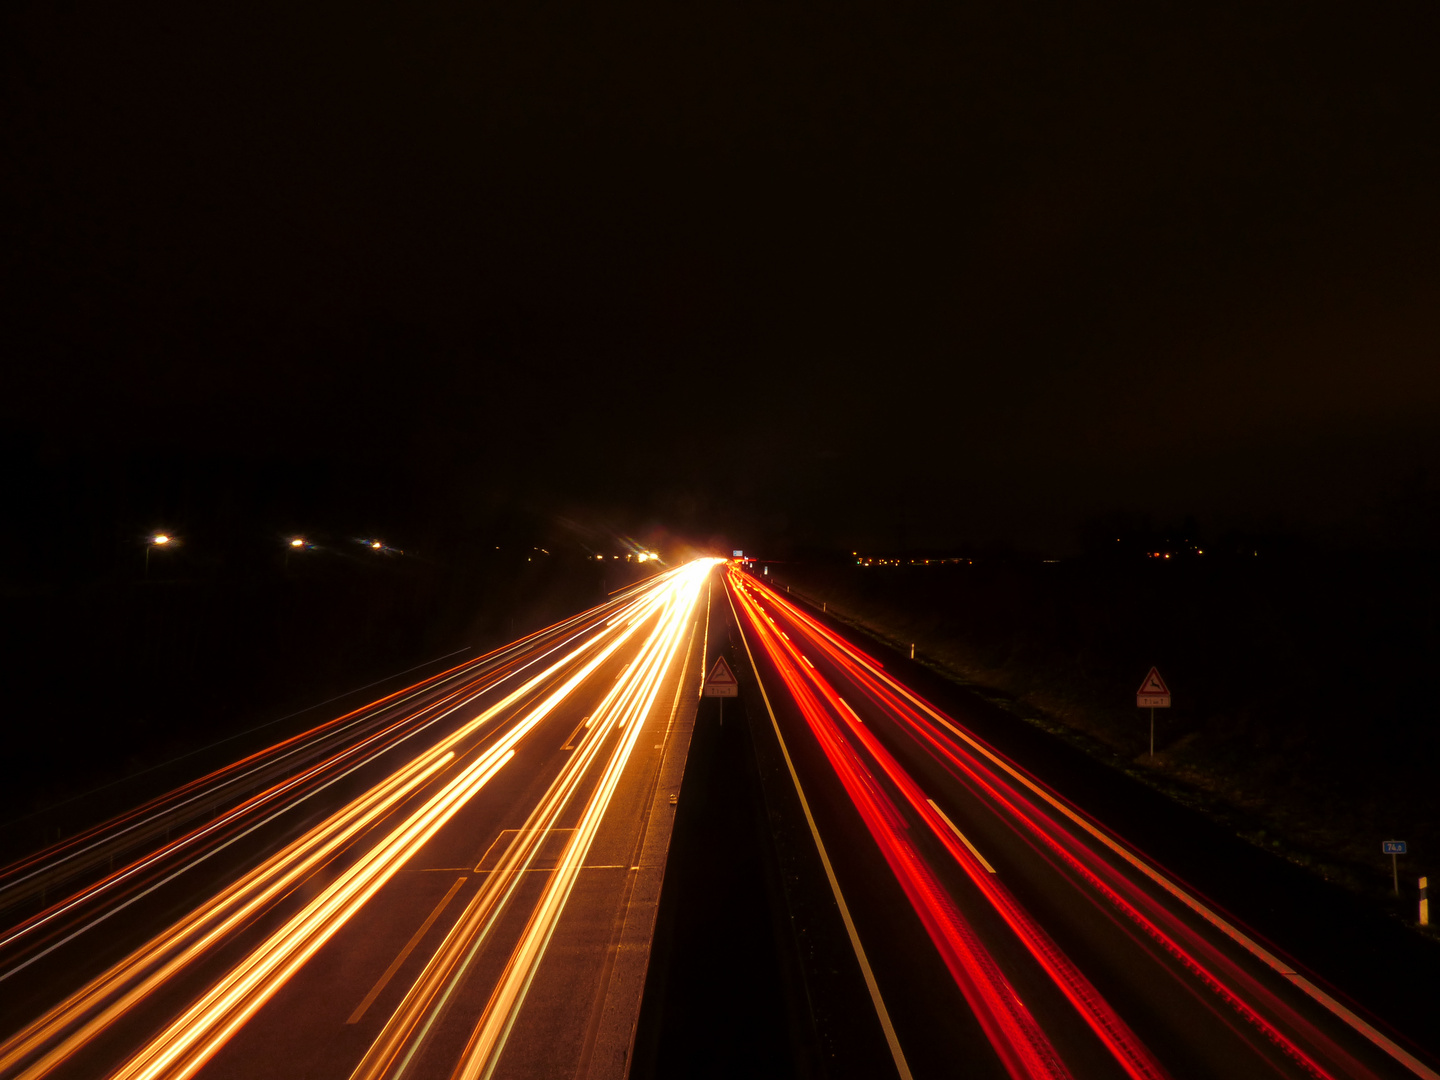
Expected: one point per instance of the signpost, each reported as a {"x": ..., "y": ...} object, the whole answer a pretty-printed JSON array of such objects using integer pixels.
[
  {"x": 721, "y": 683},
  {"x": 1153, "y": 694},
  {"x": 1394, "y": 848}
]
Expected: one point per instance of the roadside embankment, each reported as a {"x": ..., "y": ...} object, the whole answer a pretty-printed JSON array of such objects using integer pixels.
[{"x": 1302, "y": 712}]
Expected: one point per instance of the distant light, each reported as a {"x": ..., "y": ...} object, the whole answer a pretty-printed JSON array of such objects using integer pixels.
[
  {"x": 297, "y": 542},
  {"x": 160, "y": 539},
  {"x": 376, "y": 545},
  {"x": 641, "y": 557}
]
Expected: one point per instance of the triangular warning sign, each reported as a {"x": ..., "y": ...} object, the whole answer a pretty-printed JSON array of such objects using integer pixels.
[
  {"x": 721, "y": 675},
  {"x": 1153, "y": 684}
]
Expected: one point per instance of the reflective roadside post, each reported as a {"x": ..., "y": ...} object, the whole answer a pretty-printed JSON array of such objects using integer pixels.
[{"x": 1424, "y": 901}]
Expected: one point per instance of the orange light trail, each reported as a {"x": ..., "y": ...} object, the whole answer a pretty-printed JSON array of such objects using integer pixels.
[
  {"x": 628, "y": 699},
  {"x": 560, "y": 658},
  {"x": 66, "y": 919},
  {"x": 624, "y": 711}
]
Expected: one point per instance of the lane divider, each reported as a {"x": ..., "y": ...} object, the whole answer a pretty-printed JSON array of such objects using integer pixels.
[
  {"x": 963, "y": 838},
  {"x": 389, "y": 974}
]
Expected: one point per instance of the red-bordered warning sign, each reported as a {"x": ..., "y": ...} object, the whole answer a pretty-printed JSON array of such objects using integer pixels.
[
  {"x": 1153, "y": 693},
  {"x": 721, "y": 681}
]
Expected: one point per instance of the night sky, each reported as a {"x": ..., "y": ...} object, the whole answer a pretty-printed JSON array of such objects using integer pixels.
[{"x": 835, "y": 274}]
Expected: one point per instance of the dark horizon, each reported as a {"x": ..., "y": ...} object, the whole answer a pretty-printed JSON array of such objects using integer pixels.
[{"x": 894, "y": 279}]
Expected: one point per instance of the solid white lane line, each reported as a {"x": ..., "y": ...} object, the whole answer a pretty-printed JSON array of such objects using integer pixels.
[
  {"x": 879, "y": 1002},
  {"x": 406, "y": 951},
  {"x": 963, "y": 838}
]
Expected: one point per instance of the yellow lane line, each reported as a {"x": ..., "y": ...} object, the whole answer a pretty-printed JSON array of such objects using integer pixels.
[
  {"x": 406, "y": 951},
  {"x": 963, "y": 838}
]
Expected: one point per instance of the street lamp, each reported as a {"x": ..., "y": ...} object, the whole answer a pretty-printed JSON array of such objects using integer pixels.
[{"x": 158, "y": 540}]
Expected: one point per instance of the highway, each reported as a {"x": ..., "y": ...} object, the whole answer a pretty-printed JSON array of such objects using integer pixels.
[
  {"x": 459, "y": 880},
  {"x": 997, "y": 929}
]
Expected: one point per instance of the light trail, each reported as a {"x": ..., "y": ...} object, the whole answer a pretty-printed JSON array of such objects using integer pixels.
[
  {"x": 204, "y": 788},
  {"x": 968, "y": 760},
  {"x": 628, "y": 699},
  {"x": 260, "y": 887},
  {"x": 558, "y": 662},
  {"x": 61, "y": 922},
  {"x": 1023, "y": 1048},
  {"x": 191, "y": 1040},
  {"x": 631, "y": 706},
  {"x": 144, "y": 971},
  {"x": 1101, "y": 1018}
]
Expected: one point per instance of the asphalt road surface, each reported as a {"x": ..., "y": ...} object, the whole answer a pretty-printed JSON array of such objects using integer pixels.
[{"x": 459, "y": 880}]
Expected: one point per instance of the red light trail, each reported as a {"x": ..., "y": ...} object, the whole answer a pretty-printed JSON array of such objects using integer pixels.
[{"x": 811, "y": 661}]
